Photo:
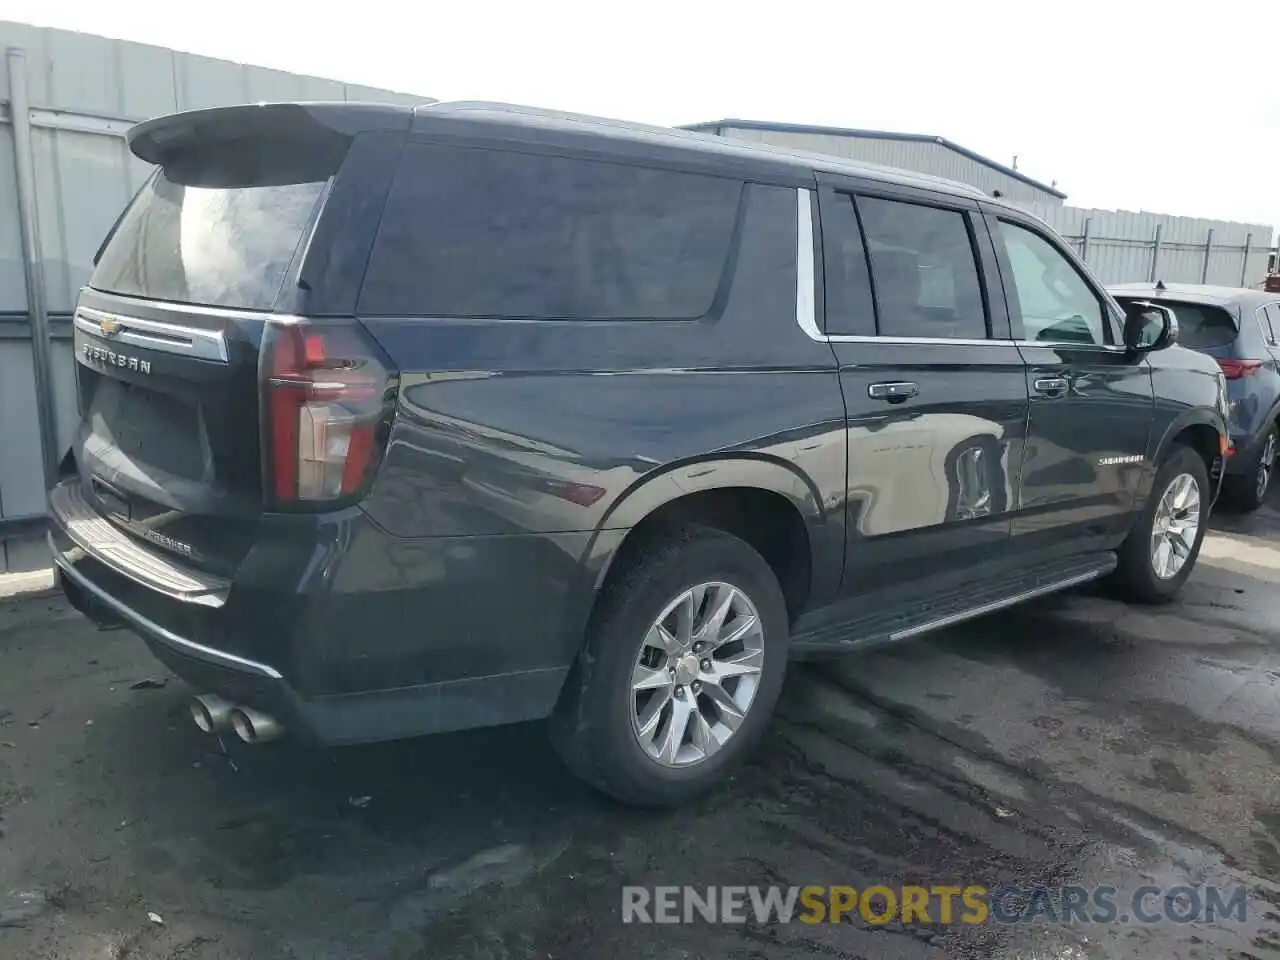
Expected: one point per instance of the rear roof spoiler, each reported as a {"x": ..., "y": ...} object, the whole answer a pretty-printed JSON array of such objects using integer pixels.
[{"x": 153, "y": 140}]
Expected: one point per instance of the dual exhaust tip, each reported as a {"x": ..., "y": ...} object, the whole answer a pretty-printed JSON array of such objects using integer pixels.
[{"x": 212, "y": 714}]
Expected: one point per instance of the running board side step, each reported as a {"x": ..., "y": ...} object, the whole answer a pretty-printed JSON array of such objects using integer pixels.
[{"x": 911, "y": 617}]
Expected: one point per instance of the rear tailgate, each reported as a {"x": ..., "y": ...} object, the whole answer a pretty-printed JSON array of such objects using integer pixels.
[
  {"x": 167, "y": 446},
  {"x": 168, "y": 333}
]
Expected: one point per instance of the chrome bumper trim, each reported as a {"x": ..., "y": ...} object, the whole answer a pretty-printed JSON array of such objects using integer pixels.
[
  {"x": 102, "y": 540},
  {"x": 169, "y": 638}
]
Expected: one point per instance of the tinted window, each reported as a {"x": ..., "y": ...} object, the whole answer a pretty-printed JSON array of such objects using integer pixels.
[
  {"x": 1204, "y": 326},
  {"x": 1053, "y": 299},
  {"x": 190, "y": 237},
  {"x": 846, "y": 279},
  {"x": 926, "y": 277},
  {"x": 484, "y": 233}
]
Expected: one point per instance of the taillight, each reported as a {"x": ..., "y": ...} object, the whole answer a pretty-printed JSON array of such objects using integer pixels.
[
  {"x": 328, "y": 396},
  {"x": 1235, "y": 369}
]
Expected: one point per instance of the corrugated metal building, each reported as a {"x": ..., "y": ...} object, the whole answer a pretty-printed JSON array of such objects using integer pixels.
[
  {"x": 1119, "y": 245},
  {"x": 82, "y": 93},
  {"x": 910, "y": 151}
]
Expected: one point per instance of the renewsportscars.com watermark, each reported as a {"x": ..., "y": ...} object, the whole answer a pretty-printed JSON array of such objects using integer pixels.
[{"x": 971, "y": 904}]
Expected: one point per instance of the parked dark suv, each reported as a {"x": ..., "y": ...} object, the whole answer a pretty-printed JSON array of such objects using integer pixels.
[
  {"x": 397, "y": 421},
  {"x": 1240, "y": 329}
]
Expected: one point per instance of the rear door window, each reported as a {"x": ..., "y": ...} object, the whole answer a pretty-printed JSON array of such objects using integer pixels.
[
  {"x": 486, "y": 233},
  {"x": 216, "y": 229},
  {"x": 924, "y": 271}
]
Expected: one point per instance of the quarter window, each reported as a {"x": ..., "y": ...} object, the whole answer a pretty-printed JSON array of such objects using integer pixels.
[
  {"x": 1054, "y": 301},
  {"x": 489, "y": 233},
  {"x": 924, "y": 270},
  {"x": 849, "y": 305}
]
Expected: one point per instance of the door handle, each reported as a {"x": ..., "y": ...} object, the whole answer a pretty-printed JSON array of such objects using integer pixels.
[
  {"x": 1051, "y": 386},
  {"x": 894, "y": 391}
]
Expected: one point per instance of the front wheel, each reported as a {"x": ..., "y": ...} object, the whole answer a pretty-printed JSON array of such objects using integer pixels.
[
  {"x": 1159, "y": 553},
  {"x": 681, "y": 672}
]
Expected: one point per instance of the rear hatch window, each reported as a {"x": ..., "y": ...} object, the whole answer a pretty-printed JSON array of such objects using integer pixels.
[
  {"x": 1200, "y": 326},
  {"x": 218, "y": 227},
  {"x": 169, "y": 442}
]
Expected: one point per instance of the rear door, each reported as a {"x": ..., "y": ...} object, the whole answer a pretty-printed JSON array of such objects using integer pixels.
[
  {"x": 934, "y": 388},
  {"x": 167, "y": 333},
  {"x": 1091, "y": 403}
]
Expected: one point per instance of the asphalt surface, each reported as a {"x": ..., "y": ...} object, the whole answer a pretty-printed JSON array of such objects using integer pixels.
[{"x": 1071, "y": 741}]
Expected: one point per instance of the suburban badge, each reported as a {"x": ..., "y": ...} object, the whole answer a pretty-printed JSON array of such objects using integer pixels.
[{"x": 110, "y": 358}]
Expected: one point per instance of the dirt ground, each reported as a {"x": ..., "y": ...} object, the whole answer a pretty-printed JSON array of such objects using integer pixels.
[{"x": 1071, "y": 741}]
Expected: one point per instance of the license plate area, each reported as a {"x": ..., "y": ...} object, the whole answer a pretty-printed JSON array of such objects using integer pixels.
[{"x": 150, "y": 428}]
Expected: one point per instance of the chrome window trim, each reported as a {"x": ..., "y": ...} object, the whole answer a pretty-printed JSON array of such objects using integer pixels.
[
  {"x": 154, "y": 335},
  {"x": 806, "y": 307},
  {"x": 952, "y": 341},
  {"x": 1070, "y": 345}
]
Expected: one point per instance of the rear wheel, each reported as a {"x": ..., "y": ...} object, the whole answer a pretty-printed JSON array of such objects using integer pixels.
[
  {"x": 1248, "y": 491},
  {"x": 1159, "y": 553},
  {"x": 681, "y": 672}
]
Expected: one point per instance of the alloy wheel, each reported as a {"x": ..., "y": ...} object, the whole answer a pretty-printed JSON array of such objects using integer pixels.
[
  {"x": 1175, "y": 526},
  {"x": 1265, "y": 465},
  {"x": 696, "y": 674}
]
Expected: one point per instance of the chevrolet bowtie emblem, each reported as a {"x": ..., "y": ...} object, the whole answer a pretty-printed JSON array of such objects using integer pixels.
[{"x": 109, "y": 326}]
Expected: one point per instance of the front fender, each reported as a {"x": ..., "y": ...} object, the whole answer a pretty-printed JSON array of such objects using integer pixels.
[{"x": 1166, "y": 434}]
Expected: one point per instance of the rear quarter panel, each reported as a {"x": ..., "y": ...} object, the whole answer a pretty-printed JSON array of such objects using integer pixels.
[
  {"x": 1254, "y": 399},
  {"x": 551, "y": 430}
]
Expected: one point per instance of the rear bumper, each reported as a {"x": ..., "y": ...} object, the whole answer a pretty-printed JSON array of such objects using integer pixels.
[
  {"x": 1245, "y": 452},
  {"x": 467, "y": 634}
]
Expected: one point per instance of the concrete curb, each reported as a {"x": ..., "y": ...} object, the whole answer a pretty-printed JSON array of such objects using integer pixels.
[{"x": 13, "y": 585}]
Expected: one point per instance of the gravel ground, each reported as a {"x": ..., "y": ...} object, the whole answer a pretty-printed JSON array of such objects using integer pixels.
[{"x": 1071, "y": 741}]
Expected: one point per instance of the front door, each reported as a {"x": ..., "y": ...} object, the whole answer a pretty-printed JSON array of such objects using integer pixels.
[
  {"x": 1091, "y": 401},
  {"x": 934, "y": 388}
]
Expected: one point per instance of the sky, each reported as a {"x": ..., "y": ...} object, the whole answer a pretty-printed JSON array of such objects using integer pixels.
[{"x": 1129, "y": 104}]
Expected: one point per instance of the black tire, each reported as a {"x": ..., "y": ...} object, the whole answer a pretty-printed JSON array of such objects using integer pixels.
[
  {"x": 592, "y": 726},
  {"x": 1135, "y": 578},
  {"x": 1246, "y": 492}
]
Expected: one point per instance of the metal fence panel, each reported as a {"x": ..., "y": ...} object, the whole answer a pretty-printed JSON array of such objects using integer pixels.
[
  {"x": 21, "y": 480},
  {"x": 13, "y": 282},
  {"x": 84, "y": 92},
  {"x": 83, "y": 181},
  {"x": 1122, "y": 245}
]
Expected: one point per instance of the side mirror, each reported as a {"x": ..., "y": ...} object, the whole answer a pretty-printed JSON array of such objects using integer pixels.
[{"x": 1149, "y": 326}]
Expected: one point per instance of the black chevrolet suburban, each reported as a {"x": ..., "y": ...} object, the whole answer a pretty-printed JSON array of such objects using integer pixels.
[{"x": 397, "y": 421}]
